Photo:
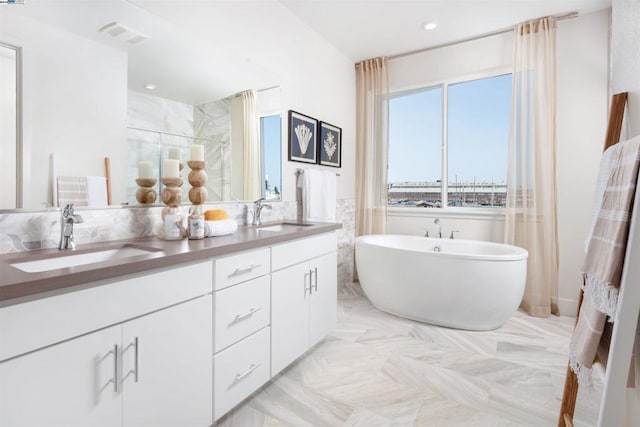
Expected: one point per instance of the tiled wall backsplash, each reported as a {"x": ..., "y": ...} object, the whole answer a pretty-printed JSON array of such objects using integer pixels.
[{"x": 41, "y": 230}]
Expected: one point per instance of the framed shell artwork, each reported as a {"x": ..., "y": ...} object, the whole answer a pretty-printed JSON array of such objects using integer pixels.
[
  {"x": 302, "y": 138},
  {"x": 329, "y": 145}
]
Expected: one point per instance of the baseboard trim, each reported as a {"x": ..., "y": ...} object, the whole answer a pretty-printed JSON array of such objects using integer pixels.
[{"x": 567, "y": 307}]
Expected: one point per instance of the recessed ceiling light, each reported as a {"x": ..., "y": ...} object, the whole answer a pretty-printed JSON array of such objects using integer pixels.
[
  {"x": 150, "y": 86},
  {"x": 429, "y": 25}
]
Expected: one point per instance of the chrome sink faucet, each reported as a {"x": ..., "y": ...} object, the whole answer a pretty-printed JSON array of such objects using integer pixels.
[
  {"x": 439, "y": 228},
  {"x": 257, "y": 210},
  {"x": 67, "y": 219}
]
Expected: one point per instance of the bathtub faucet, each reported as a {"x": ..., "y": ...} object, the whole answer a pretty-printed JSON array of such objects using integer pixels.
[
  {"x": 439, "y": 228},
  {"x": 453, "y": 231}
]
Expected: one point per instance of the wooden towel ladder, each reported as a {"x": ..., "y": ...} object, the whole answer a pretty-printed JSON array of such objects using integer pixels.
[{"x": 624, "y": 329}]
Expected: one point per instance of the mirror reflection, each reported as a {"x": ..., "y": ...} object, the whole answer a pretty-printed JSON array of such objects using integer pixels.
[
  {"x": 8, "y": 126},
  {"x": 112, "y": 80},
  {"x": 240, "y": 137}
]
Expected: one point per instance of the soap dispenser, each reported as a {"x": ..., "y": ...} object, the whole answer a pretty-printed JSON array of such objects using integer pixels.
[{"x": 173, "y": 228}]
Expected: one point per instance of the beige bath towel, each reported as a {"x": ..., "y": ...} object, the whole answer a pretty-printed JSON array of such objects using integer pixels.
[{"x": 605, "y": 256}]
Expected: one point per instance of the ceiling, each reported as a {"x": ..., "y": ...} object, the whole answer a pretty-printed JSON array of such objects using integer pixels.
[
  {"x": 360, "y": 29},
  {"x": 363, "y": 29}
]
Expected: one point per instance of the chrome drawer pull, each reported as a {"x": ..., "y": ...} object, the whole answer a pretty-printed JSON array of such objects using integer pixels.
[
  {"x": 315, "y": 272},
  {"x": 240, "y": 377},
  {"x": 238, "y": 271},
  {"x": 133, "y": 371},
  {"x": 305, "y": 283},
  {"x": 114, "y": 380},
  {"x": 240, "y": 317}
]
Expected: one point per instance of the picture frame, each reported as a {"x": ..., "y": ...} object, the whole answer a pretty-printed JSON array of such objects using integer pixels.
[
  {"x": 302, "y": 138},
  {"x": 329, "y": 145}
]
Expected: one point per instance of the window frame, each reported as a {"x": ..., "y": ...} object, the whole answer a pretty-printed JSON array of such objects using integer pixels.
[{"x": 444, "y": 187}]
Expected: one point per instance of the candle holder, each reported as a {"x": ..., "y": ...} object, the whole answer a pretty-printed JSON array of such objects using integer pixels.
[
  {"x": 146, "y": 194},
  {"x": 171, "y": 193},
  {"x": 197, "y": 179}
]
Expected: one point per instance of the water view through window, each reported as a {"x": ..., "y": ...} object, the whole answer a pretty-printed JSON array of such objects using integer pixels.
[{"x": 474, "y": 148}]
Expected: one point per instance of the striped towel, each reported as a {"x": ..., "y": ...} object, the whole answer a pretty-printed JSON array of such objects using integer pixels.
[
  {"x": 605, "y": 256},
  {"x": 73, "y": 189}
]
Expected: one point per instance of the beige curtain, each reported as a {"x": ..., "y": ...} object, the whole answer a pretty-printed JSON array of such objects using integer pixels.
[
  {"x": 251, "y": 148},
  {"x": 531, "y": 179},
  {"x": 372, "y": 145}
]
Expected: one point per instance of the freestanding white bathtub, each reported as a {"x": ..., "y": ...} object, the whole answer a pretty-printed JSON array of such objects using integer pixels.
[{"x": 462, "y": 284}]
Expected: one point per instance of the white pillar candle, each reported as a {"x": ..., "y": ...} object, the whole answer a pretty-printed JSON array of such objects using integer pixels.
[
  {"x": 197, "y": 153},
  {"x": 170, "y": 168},
  {"x": 174, "y": 153},
  {"x": 145, "y": 170}
]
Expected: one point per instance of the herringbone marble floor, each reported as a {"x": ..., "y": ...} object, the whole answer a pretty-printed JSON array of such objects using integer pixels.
[{"x": 380, "y": 370}]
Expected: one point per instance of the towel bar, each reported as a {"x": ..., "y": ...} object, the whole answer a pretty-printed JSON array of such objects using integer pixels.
[{"x": 301, "y": 171}]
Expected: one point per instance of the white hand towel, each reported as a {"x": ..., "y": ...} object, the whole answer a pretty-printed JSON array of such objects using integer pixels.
[
  {"x": 220, "y": 227},
  {"x": 318, "y": 195}
]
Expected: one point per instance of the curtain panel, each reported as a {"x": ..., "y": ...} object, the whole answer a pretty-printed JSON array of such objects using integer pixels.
[
  {"x": 251, "y": 146},
  {"x": 531, "y": 218},
  {"x": 372, "y": 145}
]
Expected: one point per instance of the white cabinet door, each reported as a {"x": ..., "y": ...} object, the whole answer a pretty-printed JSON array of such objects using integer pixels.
[
  {"x": 174, "y": 373},
  {"x": 303, "y": 308},
  {"x": 323, "y": 301},
  {"x": 66, "y": 385},
  {"x": 289, "y": 315}
]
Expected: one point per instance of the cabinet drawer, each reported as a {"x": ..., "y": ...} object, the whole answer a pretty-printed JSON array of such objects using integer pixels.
[
  {"x": 300, "y": 250},
  {"x": 241, "y": 310},
  {"x": 35, "y": 324},
  {"x": 240, "y": 370},
  {"x": 241, "y": 267}
]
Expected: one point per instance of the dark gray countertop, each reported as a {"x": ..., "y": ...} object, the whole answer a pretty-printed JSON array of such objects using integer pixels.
[{"x": 19, "y": 286}]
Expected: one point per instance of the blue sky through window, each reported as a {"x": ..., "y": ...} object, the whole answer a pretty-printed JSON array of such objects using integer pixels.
[
  {"x": 478, "y": 132},
  {"x": 415, "y": 136},
  {"x": 271, "y": 142}
]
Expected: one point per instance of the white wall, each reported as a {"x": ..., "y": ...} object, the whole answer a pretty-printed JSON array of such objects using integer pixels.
[
  {"x": 478, "y": 225},
  {"x": 583, "y": 57},
  {"x": 582, "y": 114},
  {"x": 625, "y": 74},
  {"x": 70, "y": 102}
]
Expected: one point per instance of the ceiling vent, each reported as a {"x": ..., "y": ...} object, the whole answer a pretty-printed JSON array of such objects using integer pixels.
[{"x": 123, "y": 33}]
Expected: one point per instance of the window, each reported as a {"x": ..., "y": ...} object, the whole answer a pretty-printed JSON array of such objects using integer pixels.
[
  {"x": 464, "y": 166},
  {"x": 270, "y": 138}
]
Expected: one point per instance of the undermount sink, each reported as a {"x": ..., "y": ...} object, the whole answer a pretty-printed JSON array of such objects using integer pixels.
[
  {"x": 74, "y": 259},
  {"x": 285, "y": 226}
]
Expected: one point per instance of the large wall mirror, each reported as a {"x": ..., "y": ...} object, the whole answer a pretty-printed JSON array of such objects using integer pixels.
[
  {"x": 116, "y": 79},
  {"x": 9, "y": 126}
]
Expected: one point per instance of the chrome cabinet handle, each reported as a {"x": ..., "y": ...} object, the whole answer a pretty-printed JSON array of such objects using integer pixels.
[
  {"x": 114, "y": 380},
  {"x": 315, "y": 272},
  {"x": 305, "y": 283},
  {"x": 134, "y": 371},
  {"x": 240, "y": 377},
  {"x": 135, "y": 357},
  {"x": 240, "y": 317},
  {"x": 239, "y": 270}
]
